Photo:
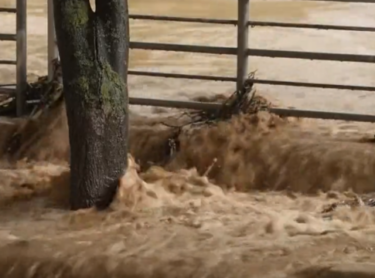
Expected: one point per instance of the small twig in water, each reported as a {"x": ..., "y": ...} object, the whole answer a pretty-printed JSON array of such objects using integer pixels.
[{"x": 210, "y": 167}]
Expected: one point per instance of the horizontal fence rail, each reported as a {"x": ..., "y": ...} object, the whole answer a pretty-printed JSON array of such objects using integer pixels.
[
  {"x": 311, "y": 26},
  {"x": 194, "y": 105},
  {"x": 7, "y": 85},
  {"x": 311, "y": 55},
  {"x": 183, "y": 19},
  {"x": 255, "y": 81},
  {"x": 314, "y": 85},
  {"x": 7, "y": 91},
  {"x": 8, "y": 37},
  {"x": 8, "y": 62},
  {"x": 254, "y": 52},
  {"x": 253, "y": 23},
  {"x": 8, "y": 10},
  {"x": 183, "y": 76},
  {"x": 279, "y": 111},
  {"x": 323, "y": 115},
  {"x": 214, "y": 106},
  {"x": 184, "y": 48}
]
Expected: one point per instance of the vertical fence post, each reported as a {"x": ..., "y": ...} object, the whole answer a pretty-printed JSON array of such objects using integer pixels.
[
  {"x": 52, "y": 48},
  {"x": 242, "y": 41},
  {"x": 21, "y": 57}
]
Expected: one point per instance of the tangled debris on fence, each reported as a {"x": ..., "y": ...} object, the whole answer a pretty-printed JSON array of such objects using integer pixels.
[
  {"x": 40, "y": 95},
  {"x": 241, "y": 101}
]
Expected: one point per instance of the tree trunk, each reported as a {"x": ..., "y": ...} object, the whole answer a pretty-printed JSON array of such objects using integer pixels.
[{"x": 93, "y": 47}]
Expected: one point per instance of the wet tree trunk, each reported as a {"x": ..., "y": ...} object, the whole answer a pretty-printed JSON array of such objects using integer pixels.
[{"x": 93, "y": 47}]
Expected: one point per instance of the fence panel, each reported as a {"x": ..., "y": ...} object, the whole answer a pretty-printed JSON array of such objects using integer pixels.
[
  {"x": 242, "y": 51},
  {"x": 21, "y": 56}
]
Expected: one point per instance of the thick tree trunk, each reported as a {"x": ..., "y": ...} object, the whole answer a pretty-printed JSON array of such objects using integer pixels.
[{"x": 93, "y": 49}]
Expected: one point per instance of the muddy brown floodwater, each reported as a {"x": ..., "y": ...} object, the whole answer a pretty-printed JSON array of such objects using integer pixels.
[{"x": 243, "y": 198}]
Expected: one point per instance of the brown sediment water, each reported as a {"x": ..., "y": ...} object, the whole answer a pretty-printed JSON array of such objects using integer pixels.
[{"x": 243, "y": 198}]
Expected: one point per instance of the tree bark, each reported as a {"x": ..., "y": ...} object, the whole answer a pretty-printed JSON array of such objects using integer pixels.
[{"x": 93, "y": 47}]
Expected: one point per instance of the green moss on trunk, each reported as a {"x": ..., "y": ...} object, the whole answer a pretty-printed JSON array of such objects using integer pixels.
[
  {"x": 105, "y": 90},
  {"x": 112, "y": 92},
  {"x": 77, "y": 13}
]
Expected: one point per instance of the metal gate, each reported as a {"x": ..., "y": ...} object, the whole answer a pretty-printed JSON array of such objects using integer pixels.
[{"x": 242, "y": 52}]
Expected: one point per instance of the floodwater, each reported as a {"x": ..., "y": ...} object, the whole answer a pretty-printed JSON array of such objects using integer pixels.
[
  {"x": 174, "y": 222},
  {"x": 221, "y": 35}
]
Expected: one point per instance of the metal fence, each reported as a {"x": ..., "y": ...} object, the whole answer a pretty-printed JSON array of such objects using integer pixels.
[
  {"x": 242, "y": 52},
  {"x": 20, "y": 39}
]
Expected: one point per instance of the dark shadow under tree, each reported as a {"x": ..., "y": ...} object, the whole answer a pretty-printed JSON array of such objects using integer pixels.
[{"x": 93, "y": 47}]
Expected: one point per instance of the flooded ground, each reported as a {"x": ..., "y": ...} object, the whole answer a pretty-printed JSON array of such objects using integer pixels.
[{"x": 174, "y": 222}]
